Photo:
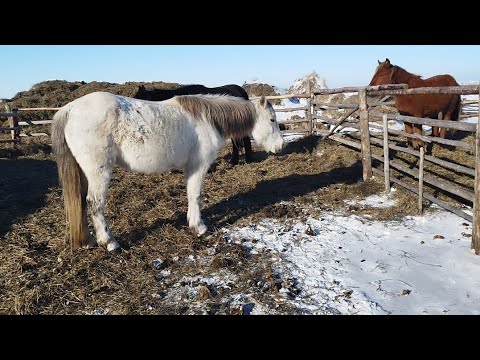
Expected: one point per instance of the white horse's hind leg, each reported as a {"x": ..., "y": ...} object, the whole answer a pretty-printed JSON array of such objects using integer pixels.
[
  {"x": 194, "y": 192},
  {"x": 91, "y": 242},
  {"x": 96, "y": 198}
]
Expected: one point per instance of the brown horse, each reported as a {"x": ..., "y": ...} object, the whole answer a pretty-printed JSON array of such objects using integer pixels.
[{"x": 426, "y": 106}]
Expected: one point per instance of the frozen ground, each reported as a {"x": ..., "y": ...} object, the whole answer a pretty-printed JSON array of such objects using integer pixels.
[{"x": 347, "y": 264}]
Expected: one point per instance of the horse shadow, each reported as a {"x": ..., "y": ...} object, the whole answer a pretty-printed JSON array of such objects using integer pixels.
[
  {"x": 27, "y": 149},
  {"x": 460, "y": 135},
  {"x": 270, "y": 192},
  {"x": 24, "y": 184},
  {"x": 265, "y": 194},
  {"x": 304, "y": 145}
]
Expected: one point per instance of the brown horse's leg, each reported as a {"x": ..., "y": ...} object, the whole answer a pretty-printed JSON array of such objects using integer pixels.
[
  {"x": 443, "y": 131},
  {"x": 451, "y": 132},
  {"x": 417, "y": 129},
  {"x": 408, "y": 130}
]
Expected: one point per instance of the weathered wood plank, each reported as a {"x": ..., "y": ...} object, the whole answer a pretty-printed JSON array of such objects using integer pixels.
[
  {"x": 429, "y": 197},
  {"x": 461, "y": 90}
]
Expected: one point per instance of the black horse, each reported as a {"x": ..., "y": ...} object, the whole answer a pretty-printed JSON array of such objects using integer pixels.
[{"x": 232, "y": 89}]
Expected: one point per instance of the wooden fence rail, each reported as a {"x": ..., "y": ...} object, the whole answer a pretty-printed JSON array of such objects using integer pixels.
[
  {"x": 12, "y": 119},
  {"x": 39, "y": 109},
  {"x": 365, "y": 142},
  {"x": 16, "y": 124},
  {"x": 460, "y": 90},
  {"x": 363, "y": 124}
]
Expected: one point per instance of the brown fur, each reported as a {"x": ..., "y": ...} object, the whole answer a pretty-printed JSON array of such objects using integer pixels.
[
  {"x": 234, "y": 120},
  {"x": 73, "y": 182},
  {"x": 419, "y": 105}
]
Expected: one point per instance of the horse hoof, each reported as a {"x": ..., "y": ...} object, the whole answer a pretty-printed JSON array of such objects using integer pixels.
[
  {"x": 114, "y": 246},
  {"x": 90, "y": 245},
  {"x": 202, "y": 229},
  {"x": 91, "y": 242}
]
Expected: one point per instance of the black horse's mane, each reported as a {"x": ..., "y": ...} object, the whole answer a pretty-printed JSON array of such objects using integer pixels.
[{"x": 194, "y": 89}]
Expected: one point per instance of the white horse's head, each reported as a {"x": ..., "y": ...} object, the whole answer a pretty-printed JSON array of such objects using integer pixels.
[{"x": 266, "y": 131}]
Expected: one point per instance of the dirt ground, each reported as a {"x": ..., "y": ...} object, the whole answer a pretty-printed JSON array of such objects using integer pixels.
[{"x": 164, "y": 266}]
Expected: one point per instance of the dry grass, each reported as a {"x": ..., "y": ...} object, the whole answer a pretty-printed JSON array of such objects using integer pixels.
[{"x": 39, "y": 274}]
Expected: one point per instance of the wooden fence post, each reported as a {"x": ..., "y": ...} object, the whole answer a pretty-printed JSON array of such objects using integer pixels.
[
  {"x": 386, "y": 155},
  {"x": 312, "y": 112},
  {"x": 365, "y": 135},
  {"x": 13, "y": 123},
  {"x": 420, "y": 179},
  {"x": 308, "y": 112},
  {"x": 439, "y": 131},
  {"x": 476, "y": 199},
  {"x": 16, "y": 124}
]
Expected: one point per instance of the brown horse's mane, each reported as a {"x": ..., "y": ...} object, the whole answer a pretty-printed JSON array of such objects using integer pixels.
[{"x": 408, "y": 72}]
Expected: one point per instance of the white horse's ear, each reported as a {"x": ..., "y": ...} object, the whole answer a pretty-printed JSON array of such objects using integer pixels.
[{"x": 262, "y": 101}]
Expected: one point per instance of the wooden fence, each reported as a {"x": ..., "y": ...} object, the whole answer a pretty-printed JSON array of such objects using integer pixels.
[
  {"x": 310, "y": 120},
  {"x": 365, "y": 142},
  {"x": 16, "y": 123},
  {"x": 12, "y": 122}
]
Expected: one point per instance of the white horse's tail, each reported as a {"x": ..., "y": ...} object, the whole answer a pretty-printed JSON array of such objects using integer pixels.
[{"x": 72, "y": 180}]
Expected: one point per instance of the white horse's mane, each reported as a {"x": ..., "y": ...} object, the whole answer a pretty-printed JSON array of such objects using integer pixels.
[{"x": 231, "y": 116}]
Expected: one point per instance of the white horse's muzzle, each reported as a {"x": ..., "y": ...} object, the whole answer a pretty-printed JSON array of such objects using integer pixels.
[{"x": 278, "y": 146}]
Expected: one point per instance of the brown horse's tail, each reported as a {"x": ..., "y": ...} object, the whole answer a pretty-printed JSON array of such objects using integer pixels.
[{"x": 72, "y": 180}]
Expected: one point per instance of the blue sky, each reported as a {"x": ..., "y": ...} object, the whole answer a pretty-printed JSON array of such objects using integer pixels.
[{"x": 22, "y": 66}]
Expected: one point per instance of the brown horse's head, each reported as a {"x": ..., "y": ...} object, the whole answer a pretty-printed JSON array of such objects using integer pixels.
[{"x": 383, "y": 74}]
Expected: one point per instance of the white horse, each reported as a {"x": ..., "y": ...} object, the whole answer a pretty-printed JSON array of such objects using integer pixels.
[{"x": 93, "y": 133}]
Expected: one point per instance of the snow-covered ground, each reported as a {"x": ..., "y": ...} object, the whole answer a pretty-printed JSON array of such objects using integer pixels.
[
  {"x": 343, "y": 263},
  {"x": 285, "y": 117},
  {"x": 349, "y": 264},
  {"x": 470, "y": 108}
]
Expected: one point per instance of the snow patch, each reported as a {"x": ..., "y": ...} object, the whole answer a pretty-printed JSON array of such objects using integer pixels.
[{"x": 339, "y": 264}]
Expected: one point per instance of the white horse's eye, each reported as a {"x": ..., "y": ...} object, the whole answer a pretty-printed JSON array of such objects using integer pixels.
[{"x": 272, "y": 120}]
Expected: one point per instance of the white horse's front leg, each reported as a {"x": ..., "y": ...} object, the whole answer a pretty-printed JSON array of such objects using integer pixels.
[{"x": 194, "y": 192}]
